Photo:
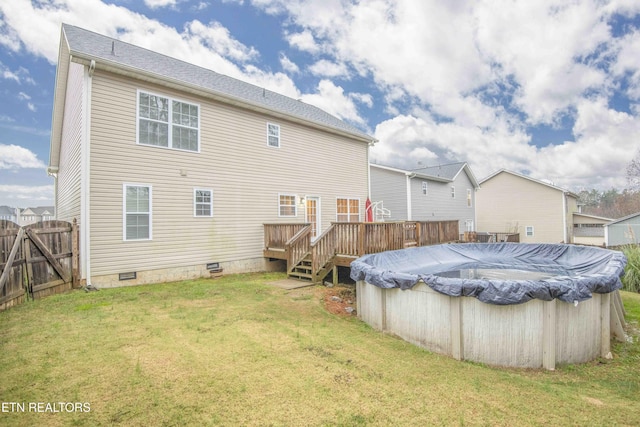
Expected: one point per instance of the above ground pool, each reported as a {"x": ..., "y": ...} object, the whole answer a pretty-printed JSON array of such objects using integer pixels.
[{"x": 506, "y": 304}]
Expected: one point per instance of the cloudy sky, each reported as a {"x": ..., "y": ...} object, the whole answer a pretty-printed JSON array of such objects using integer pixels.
[{"x": 546, "y": 88}]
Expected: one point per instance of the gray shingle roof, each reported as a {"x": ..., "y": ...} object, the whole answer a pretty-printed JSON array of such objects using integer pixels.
[
  {"x": 449, "y": 171},
  {"x": 90, "y": 45}
]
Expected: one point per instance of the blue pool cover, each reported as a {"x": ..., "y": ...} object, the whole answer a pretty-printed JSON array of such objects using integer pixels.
[{"x": 498, "y": 273}]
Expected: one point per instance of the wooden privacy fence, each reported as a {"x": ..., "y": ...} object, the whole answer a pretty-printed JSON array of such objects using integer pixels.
[{"x": 37, "y": 260}]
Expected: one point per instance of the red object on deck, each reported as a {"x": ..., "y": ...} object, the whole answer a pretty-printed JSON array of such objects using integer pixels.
[{"x": 368, "y": 211}]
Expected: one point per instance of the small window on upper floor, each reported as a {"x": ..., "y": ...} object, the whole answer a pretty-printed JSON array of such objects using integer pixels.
[
  {"x": 529, "y": 230},
  {"x": 169, "y": 123},
  {"x": 453, "y": 192},
  {"x": 202, "y": 202},
  {"x": 469, "y": 200},
  {"x": 425, "y": 187},
  {"x": 273, "y": 135}
]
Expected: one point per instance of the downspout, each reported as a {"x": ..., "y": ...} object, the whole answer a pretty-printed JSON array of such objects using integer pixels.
[
  {"x": 85, "y": 225},
  {"x": 564, "y": 216},
  {"x": 53, "y": 171},
  {"x": 409, "y": 205}
]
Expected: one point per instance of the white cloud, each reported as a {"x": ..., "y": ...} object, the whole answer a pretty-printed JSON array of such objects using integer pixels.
[
  {"x": 327, "y": 68},
  {"x": 303, "y": 41},
  {"x": 26, "y": 195},
  {"x": 23, "y": 96},
  {"x": 606, "y": 140},
  {"x": 31, "y": 106},
  {"x": 155, "y": 4},
  {"x": 217, "y": 38},
  {"x": 333, "y": 100},
  {"x": 288, "y": 65},
  {"x": 406, "y": 140},
  {"x": 627, "y": 64},
  {"x": 542, "y": 46},
  {"x": 21, "y": 75},
  {"x": 17, "y": 157}
]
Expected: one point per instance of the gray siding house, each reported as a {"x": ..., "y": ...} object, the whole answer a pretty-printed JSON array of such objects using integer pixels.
[
  {"x": 623, "y": 231},
  {"x": 444, "y": 192},
  {"x": 171, "y": 168},
  {"x": 9, "y": 214}
]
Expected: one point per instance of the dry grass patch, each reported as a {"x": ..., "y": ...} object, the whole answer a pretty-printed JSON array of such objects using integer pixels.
[{"x": 234, "y": 351}]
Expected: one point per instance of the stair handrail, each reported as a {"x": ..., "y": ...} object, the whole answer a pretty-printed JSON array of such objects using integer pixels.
[
  {"x": 323, "y": 249},
  {"x": 297, "y": 247}
]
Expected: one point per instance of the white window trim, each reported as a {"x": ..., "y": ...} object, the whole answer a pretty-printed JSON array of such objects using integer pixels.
[
  {"x": 425, "y": 188},
  {"x": 469, "y": 198},
  {"x": 453, "y": 192},
  {"x": 295, "y": 205},
  {"x": 124, "y": 211},
  {"x": 349, "y": 199},
  {"x": 170, "y": 141},
  {"x": 195, "y": 203},
  {"x": 269, "y": 135},
  {"x": 526, "y": 231}
]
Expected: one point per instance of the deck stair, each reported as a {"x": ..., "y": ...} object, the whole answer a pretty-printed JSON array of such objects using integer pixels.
[{"x": 303, "y": 270}]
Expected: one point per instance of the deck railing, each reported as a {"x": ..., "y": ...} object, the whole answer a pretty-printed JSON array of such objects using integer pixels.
[
  {"x": 492, "y": 237},
  {"x": 297, "y": 247},
  {"x": 276, "y": 236},
  {"x": 353, "y": 239},
  {"x": 323, "y": 250}
]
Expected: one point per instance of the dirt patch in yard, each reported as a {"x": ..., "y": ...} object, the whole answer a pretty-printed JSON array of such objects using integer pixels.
[{"x": 340, "y": 300}]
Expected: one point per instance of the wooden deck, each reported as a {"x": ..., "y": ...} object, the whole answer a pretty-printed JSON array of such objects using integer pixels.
[{"x": 343, "y": 242}]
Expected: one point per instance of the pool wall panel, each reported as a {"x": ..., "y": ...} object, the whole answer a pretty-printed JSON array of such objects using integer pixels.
[{"x": 536, "y": 334}]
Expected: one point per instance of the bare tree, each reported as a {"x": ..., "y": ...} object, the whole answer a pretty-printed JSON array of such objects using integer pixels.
[{"x": 633, "y": 172}]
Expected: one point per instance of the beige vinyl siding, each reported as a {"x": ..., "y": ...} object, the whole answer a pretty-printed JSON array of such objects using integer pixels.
[
  {"x": 235, "y": 162},
  {"x": 68, "y": 197},
  {"x": 509, "y": 203}
]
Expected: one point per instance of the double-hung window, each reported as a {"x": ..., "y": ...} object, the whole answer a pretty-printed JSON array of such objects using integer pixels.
[
  {"x": 287, "y": 205},
  {"x": 202, "y": 202},
  {"x": 425, "y": 187},
  {"x": 167, "y": 122},
  {"x": 137, "y": 212},
  {"x": 347, "y": 210},
  {"x": 469, "y": 199},
  {"x": 273, "y": 135}
]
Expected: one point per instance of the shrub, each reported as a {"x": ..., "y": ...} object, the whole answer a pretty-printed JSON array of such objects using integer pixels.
[{"x": 631, "y": 278}]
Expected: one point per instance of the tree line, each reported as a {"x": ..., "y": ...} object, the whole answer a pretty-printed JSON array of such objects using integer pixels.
[
  {"x": 610, "y": 203},
  {"x": 613, "y": 203}
]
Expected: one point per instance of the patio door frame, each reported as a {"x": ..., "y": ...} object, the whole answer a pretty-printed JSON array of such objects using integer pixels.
[{"x": 318, "y": 215}]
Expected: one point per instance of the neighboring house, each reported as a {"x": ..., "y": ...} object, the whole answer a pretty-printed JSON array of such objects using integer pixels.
[
  {"x": 444, "y": 192},
  {"x": 171, "y": 168},
  {"x": 589, "y": 229},
  {"x": 9, "y": 214},
  {"x": 541, "y": 212},
  {"x": 37, "y": 214},
  {"x": 623, "y": 231}
]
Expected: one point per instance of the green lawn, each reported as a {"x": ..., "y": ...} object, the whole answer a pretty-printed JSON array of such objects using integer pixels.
[{"x": 236, "y": 351}]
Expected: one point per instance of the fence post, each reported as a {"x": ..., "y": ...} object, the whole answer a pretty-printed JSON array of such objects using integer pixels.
[{"x": 75, "y": 254}]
